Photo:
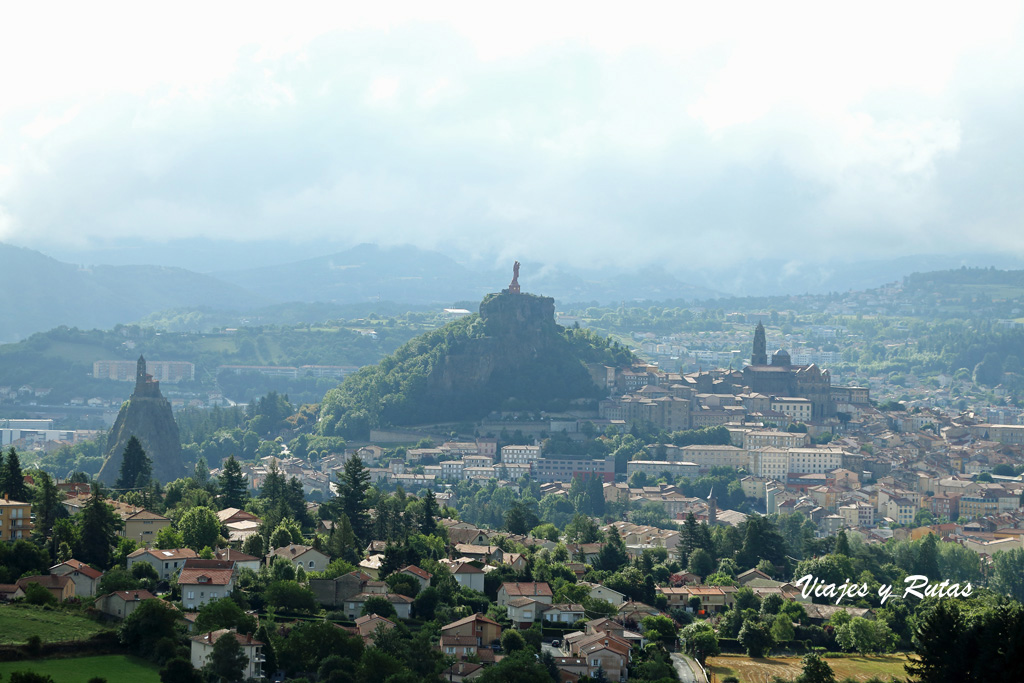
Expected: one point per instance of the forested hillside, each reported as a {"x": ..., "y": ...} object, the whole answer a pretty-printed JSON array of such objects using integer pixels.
[{"x": 514, "y": 357}]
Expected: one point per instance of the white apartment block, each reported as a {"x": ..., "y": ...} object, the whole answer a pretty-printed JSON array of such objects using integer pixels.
[
  {"x": 771, "y": 462},
  {"x": 707, "y": 457},
  {"x": 857, "y": 514},
  {"x": 815, "y": 460},
  {"x": 798, "y": 409},
  {"x": 755, "y": 440},
  {"x": 452, "y": 469},
  {"x": 655, "y": 468},
  {"x": 519, "y": 455}
]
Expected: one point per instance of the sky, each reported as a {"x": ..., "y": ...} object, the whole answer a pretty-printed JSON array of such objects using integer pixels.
[{"x": 567, "y": 133}]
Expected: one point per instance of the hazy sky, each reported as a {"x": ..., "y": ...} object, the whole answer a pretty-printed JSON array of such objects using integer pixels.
[{"x": 554, "y": 131}]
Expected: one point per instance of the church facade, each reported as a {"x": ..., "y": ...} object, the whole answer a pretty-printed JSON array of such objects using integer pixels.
[{"x": 781, "y": 378}]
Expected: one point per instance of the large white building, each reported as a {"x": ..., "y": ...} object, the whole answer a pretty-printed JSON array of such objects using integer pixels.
[{"x": 519, "y": 455}]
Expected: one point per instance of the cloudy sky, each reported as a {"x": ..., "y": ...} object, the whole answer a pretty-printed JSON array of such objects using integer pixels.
[{"x": 552, "y": 131}]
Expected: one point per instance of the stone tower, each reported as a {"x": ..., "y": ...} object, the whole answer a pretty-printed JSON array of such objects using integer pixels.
[
  {"x": 146, "y": 415},
  {"x": 760, "y": 353}
]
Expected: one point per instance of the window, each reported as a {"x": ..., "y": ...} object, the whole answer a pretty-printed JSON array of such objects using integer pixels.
[
  {"x": 311, "y": 564},
  {"x": 191, "y": 595}
]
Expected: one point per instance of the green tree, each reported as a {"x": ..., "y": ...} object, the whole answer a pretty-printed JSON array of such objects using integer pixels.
[
  {"x": 756, "y": 638},
  {"x": 200, "y": 528},
  {"x": 12, "y": 480},
  {"x": 815, "y": 670},
  {"x": 169, "y": 538},
  {"x": 1008, "y": 573},
  {"x": 150, "y": 622},
  {"x": 234, "y": 492},
  {"x": 97, "y": 531},
  {"x": 289, "y": 595},
  {"x": 352, "y": 492},
  {"x": 842, "y": 544},
  {"x": 782, "y": 629},
  {"x": 180, "y": 670},
  {"x": 512, "y": 641},
  {"x": 47, "y": 506},
  {"x": 937, "y": 640},
  {"x": 380, "y": 606},
  {"x": 136, "y": 466},
  {"x": 700, "y": 640},
  {"x": 701, "y": 563},
  {"x": 224, "y": 613},
  {"x": 429, "y": 514}
]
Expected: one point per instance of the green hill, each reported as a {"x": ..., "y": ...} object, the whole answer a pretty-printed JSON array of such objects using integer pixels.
[{"x": 510, "y": 355}]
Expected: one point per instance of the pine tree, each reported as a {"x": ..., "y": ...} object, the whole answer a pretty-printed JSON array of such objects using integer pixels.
[
  {"x": 136, "y": 466},
  {"x": 201, "y": 473},
  {"x": 47, "y": 504},
  {"x": 98, "y": 531},
  {"x": 273, "y": 489},
  {"x": 353, "y": 485},
  {"x": 12, "y": 480},
  {"x": 428, "y": 525},
  {"x": 233, "y": 490},
  {"x": 842, "y": 544}
]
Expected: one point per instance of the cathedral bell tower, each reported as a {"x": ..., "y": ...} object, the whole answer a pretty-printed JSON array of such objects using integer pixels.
[{"x": 760, "y": 353}]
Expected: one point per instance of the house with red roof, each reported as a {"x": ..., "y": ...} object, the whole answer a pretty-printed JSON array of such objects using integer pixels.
[
  {"x": 122, "y": 603},
  {"x": 539, "y": 591},
  {"x": 202, "y": 648},
  {"x": 85, "y": 578},
  {"x": 166, "y": 562},
  {"x": 203, "y": 581},
  {"x": 422, "y": 576}
]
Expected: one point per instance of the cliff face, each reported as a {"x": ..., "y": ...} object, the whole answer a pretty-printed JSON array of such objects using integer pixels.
[{"x": 147, "y": 415}]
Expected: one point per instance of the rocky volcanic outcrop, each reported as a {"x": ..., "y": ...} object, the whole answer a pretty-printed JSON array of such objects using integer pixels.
[{"x": 147, "y": 415}]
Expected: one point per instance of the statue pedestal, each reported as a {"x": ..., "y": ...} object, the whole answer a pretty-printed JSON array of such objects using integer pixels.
[{"x": 513, "y": 288}]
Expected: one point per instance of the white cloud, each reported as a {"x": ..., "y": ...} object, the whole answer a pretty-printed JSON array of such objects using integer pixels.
[{"x": 582, "y": 134}]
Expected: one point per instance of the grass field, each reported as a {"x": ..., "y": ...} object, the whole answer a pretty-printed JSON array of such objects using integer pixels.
[
  {"x": 114, "y": 668},
  {"x": 19, "y": 622},
  {"x": 758, "y": 670}
]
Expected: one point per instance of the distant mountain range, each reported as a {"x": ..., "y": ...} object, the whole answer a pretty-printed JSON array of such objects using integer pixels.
[{"x": 42, "y": 293}]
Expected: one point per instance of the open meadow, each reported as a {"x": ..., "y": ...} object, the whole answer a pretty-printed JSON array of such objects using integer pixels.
[
  {"x": 113, "y": 668},
  {"x": 860, "y": 668},
  {"x": 18, "y": 623}
]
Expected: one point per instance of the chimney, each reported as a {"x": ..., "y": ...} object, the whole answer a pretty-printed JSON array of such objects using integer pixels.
[{"x": 248, "y": 638}]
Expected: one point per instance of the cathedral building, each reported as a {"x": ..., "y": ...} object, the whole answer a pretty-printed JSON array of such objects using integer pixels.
[{"x": 781, "y": 378}]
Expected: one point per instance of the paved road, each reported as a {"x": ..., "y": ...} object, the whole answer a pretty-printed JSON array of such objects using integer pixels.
[
  {"x": 555, "y": 652},
  {"x": 687, "y": 669}
]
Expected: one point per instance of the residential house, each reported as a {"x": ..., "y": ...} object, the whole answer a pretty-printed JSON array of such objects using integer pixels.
[
  {"x": 60, "y": 587},
  {"x": 120, "y": 604},
  {"x": 334, "y": 592},
  {"x": 85, "y": 578},
  {"x": 305, "y": 556},
  {"x": 202, "y": 648},
  {"x": 369, "y": 624},
  {"x": 353, "y": 606},
  {"x": 468, "y": 575},
  {"x": 539, "y": 591},
  {"x": 422, "y": 576},
  {"x": 15, "y": 519},
  {"x": 480, "y": 553},
  {"x": 143, "y": 526},
  {"x": 599, "y": 592},
  {"x": 483, "y": 630},
  {"x": 241, "y": 560},
  {"x": 523, "y": 612},
  {"x": 165, "y": 562},
  {"x": 563, "y": 613},
  {"x": 203, "y": 581}
]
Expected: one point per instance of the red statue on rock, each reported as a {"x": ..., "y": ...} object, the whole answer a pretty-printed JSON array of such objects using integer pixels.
[{"x": 513, "y": 288}]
